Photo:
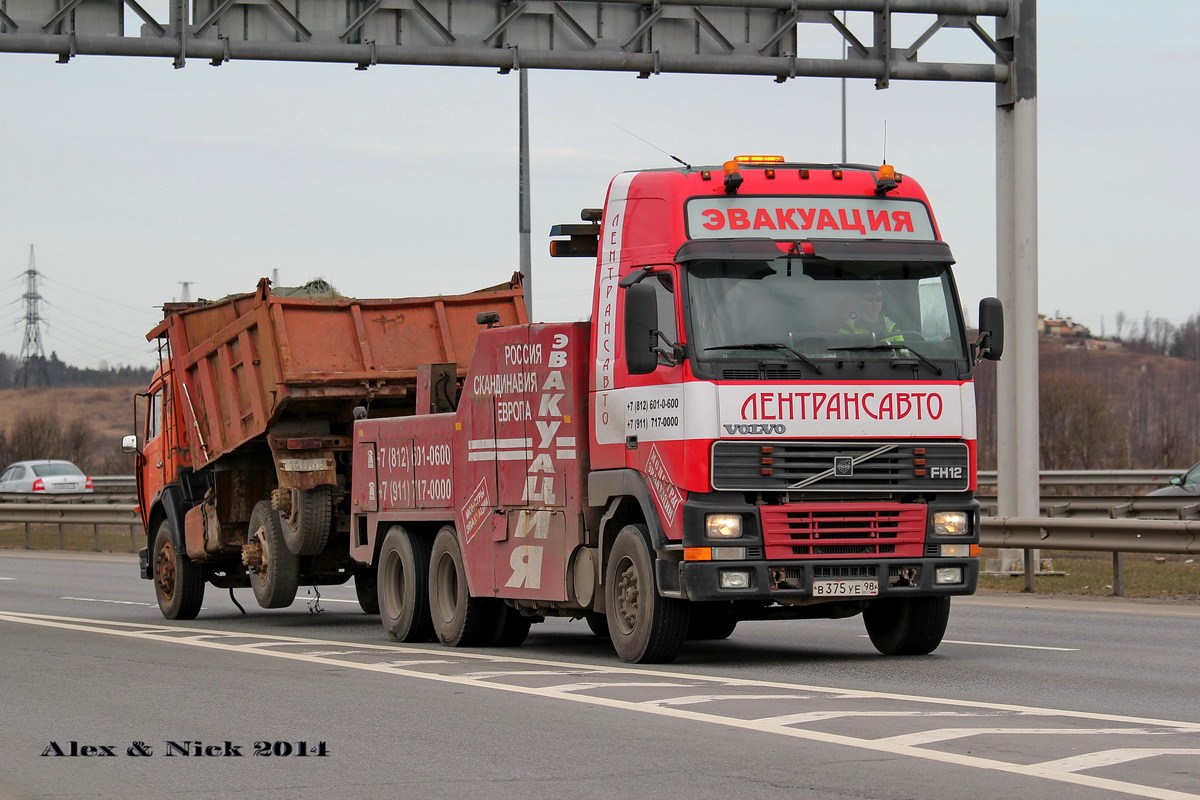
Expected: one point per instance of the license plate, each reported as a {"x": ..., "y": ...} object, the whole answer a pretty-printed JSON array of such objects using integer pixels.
[
  {"x": 845, "y": 588},
  {"x": 65, "y": 486}
]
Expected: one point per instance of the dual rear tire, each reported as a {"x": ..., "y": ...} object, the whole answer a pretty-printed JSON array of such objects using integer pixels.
[{"x": 422, "y": 591}]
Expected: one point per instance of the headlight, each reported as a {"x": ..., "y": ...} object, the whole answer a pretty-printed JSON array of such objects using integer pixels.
[
  {"x": 945, "y": 575},
  {"x": 723, "y": 526},
  {"x": 731, "y": 579},
  {"x": 950, "y": 523}
]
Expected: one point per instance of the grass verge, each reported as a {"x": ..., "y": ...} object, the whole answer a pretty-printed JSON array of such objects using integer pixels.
[{"x": 1091, "y": 574}]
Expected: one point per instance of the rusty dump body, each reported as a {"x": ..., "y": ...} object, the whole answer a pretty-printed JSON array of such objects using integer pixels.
[{"x": 248, "y": 362}]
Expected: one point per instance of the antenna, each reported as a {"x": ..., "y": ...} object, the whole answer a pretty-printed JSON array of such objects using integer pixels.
[
  {"x": 33, "y": 354},
  {"x": 185, "y": 291},
  {"x": 885, "y": 141},
  {"x": 656, "y": 147}
]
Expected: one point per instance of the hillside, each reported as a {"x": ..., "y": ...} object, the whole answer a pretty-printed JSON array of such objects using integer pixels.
[
  {"x": 108, "y": 411},
  {"x": 1105, "y": 409}
]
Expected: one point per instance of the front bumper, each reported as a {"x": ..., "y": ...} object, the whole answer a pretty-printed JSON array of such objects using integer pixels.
[{"x": 784, "y": 581}]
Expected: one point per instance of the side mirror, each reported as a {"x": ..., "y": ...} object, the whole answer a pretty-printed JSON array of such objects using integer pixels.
[
  {"x": 1175, "y": 480},
  {"x": 991, "y": 329},
  {"x": 129, "y": 444},
  {"x": 641, "y": 322}
]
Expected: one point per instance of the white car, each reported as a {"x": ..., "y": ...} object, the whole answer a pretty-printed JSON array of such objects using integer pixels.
[{"x": 51, "y": 477}]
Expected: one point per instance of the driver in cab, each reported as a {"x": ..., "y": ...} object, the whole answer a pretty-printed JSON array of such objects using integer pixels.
[{"x": 866, "y": 315}]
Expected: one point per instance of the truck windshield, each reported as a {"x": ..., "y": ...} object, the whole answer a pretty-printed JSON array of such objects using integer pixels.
[{"x": 816, "y": 310}]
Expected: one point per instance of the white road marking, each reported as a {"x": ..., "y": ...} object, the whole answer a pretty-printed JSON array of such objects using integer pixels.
[
  {"x": 1013, "y": 646},
  {"x": 999, "y": 644},
  {"x": 7, "y": 579},
  {"x": 487, "y": 676},
  {"x": 585, "y": 687},
  {"x": 946, "y": 734},
  {"x": 114, "y": 602},
  {"x": 693, "y": 699},
  {"x": 817, "y": 716},
  {"x": 1106, "y": 758},
  {"x": 145, "y": 633}
]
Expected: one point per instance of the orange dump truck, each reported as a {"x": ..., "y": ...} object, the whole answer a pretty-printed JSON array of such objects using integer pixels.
[{"x": 243, "y": 459}]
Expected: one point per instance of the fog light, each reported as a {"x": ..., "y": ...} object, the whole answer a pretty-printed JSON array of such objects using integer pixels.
[
  {"x": 945, "y": 575},
  {"x": 723, "y": 526},
  {"x": 735, "y": 579},
  {"x": 728, "y": 553},
  {"x": 955, "y": 550},
  {"x": 950, "y": 523}
]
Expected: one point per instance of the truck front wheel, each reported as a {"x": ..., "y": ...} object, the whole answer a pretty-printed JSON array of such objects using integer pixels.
[
  {"x": 645, "y": 627},
  {"x": 403, "y": 586},
  {"x": 907, "y": 626},
  {"x": 274, "y": 569},
  {"x": 178, "y": 581},
  {"x": 459, "y": 619}
]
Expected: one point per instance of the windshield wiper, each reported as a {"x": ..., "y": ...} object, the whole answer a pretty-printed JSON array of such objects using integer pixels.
[
  {"x": 893, "y": 346},
  {"x": 769, "y": 346}
]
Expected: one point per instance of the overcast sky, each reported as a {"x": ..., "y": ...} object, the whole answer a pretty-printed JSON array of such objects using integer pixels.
[{"x": 130, "y": 177}]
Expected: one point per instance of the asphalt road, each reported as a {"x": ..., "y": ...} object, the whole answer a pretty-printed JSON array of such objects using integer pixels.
[{"x": 1026, "y": 698}]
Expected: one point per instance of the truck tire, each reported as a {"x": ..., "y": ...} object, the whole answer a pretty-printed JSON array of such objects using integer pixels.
[
  {"x": 907, "y": 626},
  {"x": 276, "y": 576},
  {"x": 366, "y": 591},
  {"x": 306, "y": 528},
  {"x": 403, "y": 586},
  {"x": 646, "y": 628},
  {"x": 711, "y": 623},
  {"x": 598, "y": 624},
  {"x": 178, "y": 581},
  {"x": 512, "y": 628},
  {"x": 459, "y": 619}
]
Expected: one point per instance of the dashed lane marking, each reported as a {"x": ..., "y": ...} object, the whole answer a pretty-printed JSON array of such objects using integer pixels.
[
  {"x": 266, "y": 645},
  {"x": 1004, "y": 644}
]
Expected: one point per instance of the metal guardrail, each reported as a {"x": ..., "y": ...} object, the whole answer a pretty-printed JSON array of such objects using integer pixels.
[
  {"x": 1095, "y": 477},
  {"x": 1109, "y": 507},
  {"x": 1117, "y": 536},
  {"x": 1180, "y": 537},
  {"x": 61, "y": 515}
]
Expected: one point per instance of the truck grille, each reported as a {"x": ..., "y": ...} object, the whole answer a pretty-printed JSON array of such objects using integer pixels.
[
  {"x": 843, "y": 530},
  {"x": 840, "y": 466}
]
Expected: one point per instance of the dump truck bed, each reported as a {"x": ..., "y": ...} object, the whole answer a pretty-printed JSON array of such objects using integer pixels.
[{"x": 248, "y": 361}]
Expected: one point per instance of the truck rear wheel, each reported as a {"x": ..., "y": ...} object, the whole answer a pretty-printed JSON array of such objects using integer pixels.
[
  {"x": 403, "y": 586},
  {"x": 366, "y": 590},
  {"x": 459, "y": 619},
  {"x": 274, "y": 569},
  {"x": 178, "y": 581},
  {"x": 306, "y": 528},
  {"x": 646, "y": 628},
  {"x": 907, "y": 626}
]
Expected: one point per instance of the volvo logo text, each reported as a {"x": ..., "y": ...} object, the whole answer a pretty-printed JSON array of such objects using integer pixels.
[{"x": 755, "y": 430}]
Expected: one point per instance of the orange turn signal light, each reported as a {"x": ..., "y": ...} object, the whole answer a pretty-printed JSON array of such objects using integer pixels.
[{"x": 697, "y": 554}]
